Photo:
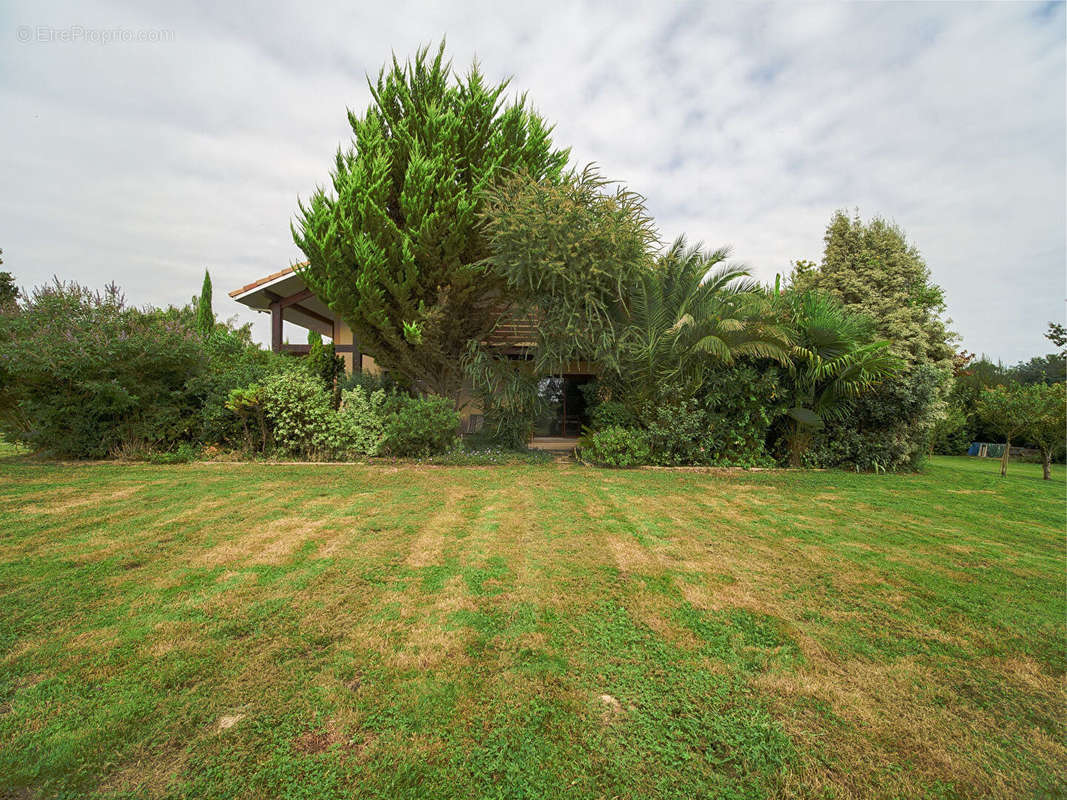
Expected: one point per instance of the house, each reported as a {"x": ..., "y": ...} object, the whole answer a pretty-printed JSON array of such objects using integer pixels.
[{"x": 286, "y": 297}]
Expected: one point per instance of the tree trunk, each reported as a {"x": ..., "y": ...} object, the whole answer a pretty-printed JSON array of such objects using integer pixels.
[
  {"x": 1046, "y": 464},
  {"x": 1004, "y": 458}
]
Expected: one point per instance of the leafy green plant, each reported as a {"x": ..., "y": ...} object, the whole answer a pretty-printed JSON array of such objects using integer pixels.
[
  {"x": 691, "y": 312},
  {"x": 568, "y": 251},
  {"x": 1046, "y": 421},
  {"x": 322, "y": 360},
  {"x": 420, "y": 426},
  {"x": 84, "y": 375},
  {"x": 675, "y": 428},
  {"x": 301, "y": 416},
  {"x": 741, "y": 403},
  {"x": 836, "y": 360},
  {"x": 616, "y": 447},
  {"x": 184, "y": 453},
  {"x": 508, "y": 390},
  {"x": 360, "y": 419}
]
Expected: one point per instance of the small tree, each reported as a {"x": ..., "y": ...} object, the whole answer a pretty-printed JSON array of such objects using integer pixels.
[
  {"x": 1057, "y": 334},
  {"x": 9, "y": 293},
  {"x": 570, "y": 251},
  {"x": 205, "y": 317},
  {"x": 1006, "y": 411},
  {"x": 1046, "y": 420}
]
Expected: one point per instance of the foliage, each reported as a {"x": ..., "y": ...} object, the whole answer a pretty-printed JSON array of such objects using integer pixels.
[
  {"x": 323, "y": 361},
  {"x": 370, "y": 382},
  {"x": 508, "y": 391},
  {"x": 361, "y": 421},
  {"x": 420, "y": 426},
  {"x": 1006, "y": 411},
  {"x": 873, "y": 268},
  {"x": 301, "y": 416},
  {"x": 205, "y": 317},
  {"x": 9, "y": 292},
  {"x": 690, "y": 312},
  {"x": 395, "y": 249},
  {"x": 1046, "y": 420},
  {"x": 568, "y": 251},
  {"x": 674, "y": 427},
  {"x": 233, "y": 361},
  {"x": 1057, "y": 334},
  {"x": 741, "y": 403},
  {"x": 611, "y": 414},
  {"x": 836, "y": 361},
  {"x": 247, "y": 405},
  {"x": 616, "y": 447},
  {"x": 1046, "y": 369},
  {"x": 83, "y": 375},
  {"x": 888, "y": 428},
  {"x": 184, "y": 453},
  {"x": 951, "y": 435}
]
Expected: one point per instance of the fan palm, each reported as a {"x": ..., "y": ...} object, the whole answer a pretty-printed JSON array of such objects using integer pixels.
[
  {"x": 693, "y": 309},
  {"x": 836, "y": 359}
]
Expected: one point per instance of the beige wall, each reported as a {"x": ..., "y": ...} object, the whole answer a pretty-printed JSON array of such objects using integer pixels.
[{"x": 342, "y": 334}]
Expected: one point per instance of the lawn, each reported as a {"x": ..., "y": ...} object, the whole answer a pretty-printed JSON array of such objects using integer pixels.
[{"x": 246, "y": 630}]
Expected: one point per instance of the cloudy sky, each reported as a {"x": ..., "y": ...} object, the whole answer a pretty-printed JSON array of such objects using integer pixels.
[{"x": 144, "y": 162}]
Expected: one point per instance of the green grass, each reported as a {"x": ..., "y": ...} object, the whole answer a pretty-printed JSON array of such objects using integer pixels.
[{"x": 252, "y": 630}]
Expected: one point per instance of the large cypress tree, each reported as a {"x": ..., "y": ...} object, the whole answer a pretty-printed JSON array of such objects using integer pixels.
[{"x": 395, "y": 248}]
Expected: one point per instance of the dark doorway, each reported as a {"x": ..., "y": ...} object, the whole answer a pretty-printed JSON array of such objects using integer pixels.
[{"x": 565, "y": 413}]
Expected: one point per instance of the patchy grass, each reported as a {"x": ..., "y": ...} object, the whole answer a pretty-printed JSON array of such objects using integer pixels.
[{"x": 252, "y": 630}]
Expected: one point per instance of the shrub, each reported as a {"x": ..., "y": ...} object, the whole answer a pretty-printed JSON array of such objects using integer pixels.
[
  {"x": 616, "y": 447},
  {"x": 611, "y": 414},
  {"x": 741, "y": 403},
  {"x": 887, "y": 429},
  {"x": 420, "y": 426},
  {"x": 82, "y": 375},
  {"x": 301, "y": 416},
  {"x": 676, "y": 430},
  {"x": 323, "y": 361},
  {"x": 360, "y": 418},
  {"x": 234, "y": 362},
  {"x": 951, "y": 435},
  {"x": 182, "y": 454}
]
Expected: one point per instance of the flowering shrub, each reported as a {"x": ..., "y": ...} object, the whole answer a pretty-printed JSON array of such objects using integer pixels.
[{"x": 83, "y": 375}]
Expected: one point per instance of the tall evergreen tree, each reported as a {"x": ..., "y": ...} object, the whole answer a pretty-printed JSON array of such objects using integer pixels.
[
  {"x": 205, "y": 317},
  {"x": 395, "y": 248},
  {"x": 873, "y": 268}
]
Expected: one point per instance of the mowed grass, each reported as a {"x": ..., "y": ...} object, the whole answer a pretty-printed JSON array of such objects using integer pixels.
[{"x": 247, "y": 630}]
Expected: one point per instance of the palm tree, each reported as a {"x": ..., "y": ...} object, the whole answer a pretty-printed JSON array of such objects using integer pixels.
[
  {"x": 836, "y": 359},
  {"x": 691, "y": 310}
]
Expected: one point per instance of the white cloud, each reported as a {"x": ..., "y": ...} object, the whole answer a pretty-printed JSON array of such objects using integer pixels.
[{"x": 742, "y": 124}]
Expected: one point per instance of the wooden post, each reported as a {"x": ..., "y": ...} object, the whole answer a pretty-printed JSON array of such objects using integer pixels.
[
  {"x": 276, "y": 327},
  {"x": 1004, "y": 458}
]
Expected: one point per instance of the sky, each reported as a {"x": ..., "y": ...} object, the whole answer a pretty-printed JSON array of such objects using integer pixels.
[{"x": 145, "y": 142}]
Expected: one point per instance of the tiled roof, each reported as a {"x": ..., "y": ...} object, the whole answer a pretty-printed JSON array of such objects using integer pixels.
[{"x": 272, "y": 277}]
